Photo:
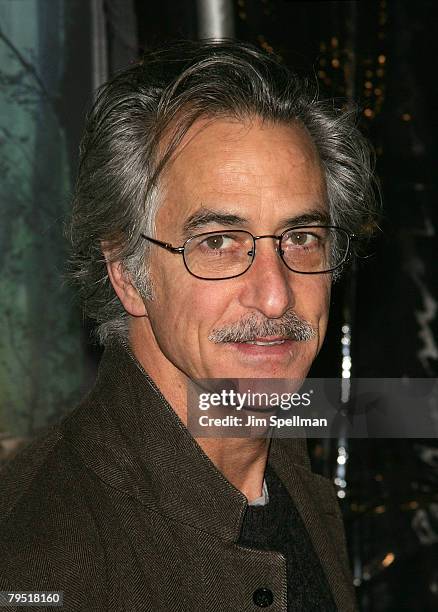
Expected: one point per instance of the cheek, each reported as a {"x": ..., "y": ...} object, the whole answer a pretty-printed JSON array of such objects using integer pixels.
[
  {"x": 313, "y": 298},
  {"x": 322, "y": 308},
  {"x": 186, "y": 302},
  {"x": 325, "y": 294}
]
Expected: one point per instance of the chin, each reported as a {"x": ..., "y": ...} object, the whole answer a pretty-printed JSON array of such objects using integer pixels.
[{"x": 263, "y": 370}]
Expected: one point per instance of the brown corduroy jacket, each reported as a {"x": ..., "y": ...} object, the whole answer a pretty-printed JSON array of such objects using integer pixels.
[{"x": 119, "y": 508}]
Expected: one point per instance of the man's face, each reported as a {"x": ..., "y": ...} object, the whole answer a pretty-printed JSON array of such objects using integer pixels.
[{"x": 267, "y": 177}]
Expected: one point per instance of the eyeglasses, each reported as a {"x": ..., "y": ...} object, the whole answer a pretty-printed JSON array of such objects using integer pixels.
[{"x": 313, "y": 249}]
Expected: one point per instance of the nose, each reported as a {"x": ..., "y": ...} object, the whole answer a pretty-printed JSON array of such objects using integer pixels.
[{"x": 267, "y": 285}]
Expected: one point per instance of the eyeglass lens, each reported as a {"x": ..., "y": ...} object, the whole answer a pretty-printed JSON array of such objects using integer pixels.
[{"x": 225, "y": 254}]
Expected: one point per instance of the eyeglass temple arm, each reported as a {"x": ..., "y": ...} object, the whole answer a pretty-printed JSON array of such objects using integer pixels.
[{"x": 165, "y": 245}]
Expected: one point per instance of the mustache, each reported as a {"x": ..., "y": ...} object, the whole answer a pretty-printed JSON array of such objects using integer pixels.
[{"x": 249, "y": 328}]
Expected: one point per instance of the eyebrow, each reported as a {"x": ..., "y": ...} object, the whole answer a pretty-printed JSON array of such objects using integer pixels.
[
  {"x": 205, "y": 216},
  {"x": 311, "y": 216}
]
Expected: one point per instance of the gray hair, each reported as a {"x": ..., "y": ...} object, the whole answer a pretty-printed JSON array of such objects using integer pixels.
[{"x": 117, "y": 191}]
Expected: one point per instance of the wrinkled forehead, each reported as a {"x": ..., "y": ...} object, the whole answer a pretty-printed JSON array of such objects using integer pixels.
[
  {"x": 250, "y": 167},
  {"x": 226, "y": 133}
]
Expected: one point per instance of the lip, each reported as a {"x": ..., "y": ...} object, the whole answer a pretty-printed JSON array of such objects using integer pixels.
[
  {"x": 269, "y": 339},
  {"x": 256, "y": 350}
]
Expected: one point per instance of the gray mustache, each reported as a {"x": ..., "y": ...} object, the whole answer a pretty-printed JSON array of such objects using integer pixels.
[{"x": 289, "y": 326}]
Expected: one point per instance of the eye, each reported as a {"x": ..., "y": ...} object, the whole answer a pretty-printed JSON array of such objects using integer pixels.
[
  {"x": 218, "y": 242},
  {"x": 300, "y": 239}
]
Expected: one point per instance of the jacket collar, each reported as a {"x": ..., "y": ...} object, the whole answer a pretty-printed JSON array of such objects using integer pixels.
[{"x": 128, "y": 434}]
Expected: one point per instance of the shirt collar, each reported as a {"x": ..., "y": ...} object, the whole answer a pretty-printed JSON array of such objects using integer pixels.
[{"x": 264, "y": 497}]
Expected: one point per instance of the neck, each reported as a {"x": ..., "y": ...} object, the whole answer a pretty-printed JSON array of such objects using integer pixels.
[{"x": 241, "y": 460}]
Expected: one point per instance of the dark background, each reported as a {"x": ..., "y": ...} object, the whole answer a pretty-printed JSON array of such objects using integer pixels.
[{"x": 384, "y": 55}]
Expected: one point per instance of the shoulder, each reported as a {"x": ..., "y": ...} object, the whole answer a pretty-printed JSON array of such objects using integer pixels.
[
  {"x": 48, "y": 536},
  {"x": 46, "y": 474}
]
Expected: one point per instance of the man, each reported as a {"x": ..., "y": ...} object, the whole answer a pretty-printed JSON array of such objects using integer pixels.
[{"x": 215, "y": 202}]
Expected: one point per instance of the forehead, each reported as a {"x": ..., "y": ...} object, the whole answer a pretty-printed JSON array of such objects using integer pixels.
[{"x": 256, "y": 170}]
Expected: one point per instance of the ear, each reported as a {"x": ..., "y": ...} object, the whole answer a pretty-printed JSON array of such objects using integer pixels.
[{"x": 125, "y": 290}]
